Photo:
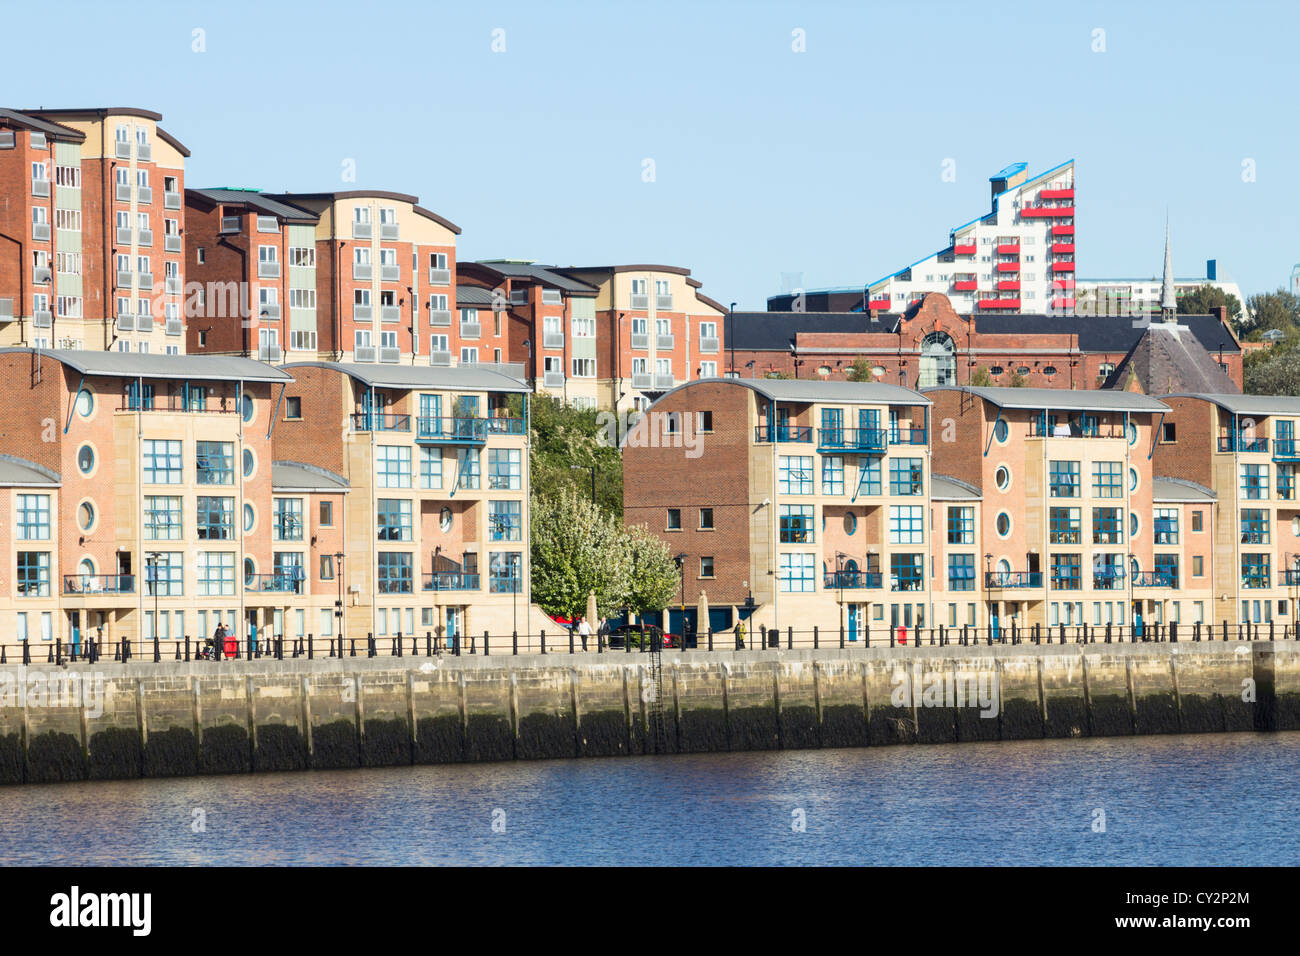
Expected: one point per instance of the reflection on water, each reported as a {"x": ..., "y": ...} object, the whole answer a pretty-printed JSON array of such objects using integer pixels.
[{"x": 1190, "y": 800}]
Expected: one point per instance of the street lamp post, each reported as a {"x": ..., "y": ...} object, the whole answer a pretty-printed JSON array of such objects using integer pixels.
[
  {"x": 152, "y": 559},
  {"x": 338, "y": 605},
  {"x": 681, "y": 566},
  {"x": 839, "y": 580},
  {"x": 988, "y": 590}
]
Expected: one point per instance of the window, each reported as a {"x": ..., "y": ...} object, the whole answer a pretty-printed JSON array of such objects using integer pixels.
[
  {"x": 467, "y": 467},
  {"x": 1108, "y": 479},
  {"x": 468, "y": 356},
  {"x": 293, "y": 407},
  {"x": 164, "y": 574},
  {"x": 674, "y": 520},
  {"x": 1254, "y": 526},
  {"x": 214, "y": 463},
  {"x": 33, "y": 518},
  {"x": 796, "y": 573},
  {"x": 1165, "y": 525},
  {"x": 1064, "y": 526},
  {"x": 706, "y": 566},
  {"x": 704, "y": 422},
  {"x": 1254, "y": 570},
  {"x": 1168, "y": 433},
  {"x": 1196, "y": 521},
  {"x": 906, "y": 572},
  {"x": 1002, "y": 477},
  {"x": 906, "y": 524},
  {"x": 1065, "y": 572},
  {"x": 1165, "y": 568},
  {"x": 584, "y": 368},
  {"x": 870, "y": 480},
  {"x": 1064, "y": 479},
  {"x": 795, "y": 474},
  {"x": 302, "y": 256},
  {"x": 1198, "y": 566},
  {"x": 327, "y": 567},
  {"x": 505, "y": 521},
  {"x": 394, "y": 573},
  {"x": 1107, "y": 526},
  {"x": 1254, "y": 481},
  {"x": 161, "y": 462},
  {"x": 430, "y": 467},
  {"x": 393, "y": 519},
  {"x": 1003, "y": 524},
  {"x": 215, "y": 518},
  {"x": 961, "y": 572},
  {"x": 706, "y": 519},
  {"x": 288, "y": 520},
  {"x": 796, "y": 524},
  {"x": 905, "y": 476},
  {"x": 216, "y": 573},
  {"x": 961, "y": 525},
  {"x": 327, "y": 514},
  {"x": 393, "y": 466},
  {"x": 33, "y": 577},
  {"x": 832, "y": 475},
  {"x": 250, "y": 517}
]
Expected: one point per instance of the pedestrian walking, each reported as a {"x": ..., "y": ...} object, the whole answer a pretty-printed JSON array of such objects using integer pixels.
[
  {"x": 602, "y": 634},
  {"x": 584, "y": 630},
  {"x": 740, "y": 634}
]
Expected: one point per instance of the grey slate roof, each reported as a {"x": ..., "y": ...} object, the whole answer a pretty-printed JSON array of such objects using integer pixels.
[
  {"x": 473, "y": 295},
  {"x": 54, "y": 130},
  {"x": 1179, "y": 489},
  {"x": 257, "y": 200},
  {"x": 471, "y": 377},
  {"x": 947, "y": 488},
  {"x": 775, "y": 331},
  {"x": 17, "y": 472},
  {"x": 547, "y": 275},
  {"x": 1035, "y": 399},
  {"x": 133, "y": 365},
  {"x": 1169, "y": 358},
  {"x": 1240, "y": 404},
  {"x": 298, "y": 476},
  {"x": 816, "y": 390}
]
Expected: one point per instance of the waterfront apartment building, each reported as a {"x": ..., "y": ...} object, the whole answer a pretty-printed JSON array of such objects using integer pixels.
[
  {"x": 1017, "y": 258},
  {"x": 436, "y": 463},
  {"x": 1243, "y": 447},
  {"x": 93, "y": 230},
  {"x": 807, "y": 502},
  {"x": 1066, "y": 521}
]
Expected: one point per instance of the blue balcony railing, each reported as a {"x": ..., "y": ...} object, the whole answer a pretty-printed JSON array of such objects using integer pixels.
[
  {"x": 99, "y": 584},
  {"x": 850, "y": 580},
  {"x": 285, "y": 582},
  {"x": 1286, "y": 449},
  {"x": 1289, "y": 578},
  {"x": 1242, "y": 443},
  {"x": 851, "y": 439},
  {"x": 1013, "y": 579},
  {"x": 458, "y": 430},
  {"x": 1108, "y": 579},
  {"x": 907, "y": 436},
  {"x": 780, "y": 433},
  {"x": 377, "y": 422},
  {"x": 449, "y": 581},
  {"x": 1155, "y": 579}
]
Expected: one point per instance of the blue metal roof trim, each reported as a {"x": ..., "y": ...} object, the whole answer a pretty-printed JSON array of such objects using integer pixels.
[{"x": 1006, "y": 172}]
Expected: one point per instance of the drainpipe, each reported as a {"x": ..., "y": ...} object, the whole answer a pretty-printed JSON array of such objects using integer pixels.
[{"x": 108, "y": 208}]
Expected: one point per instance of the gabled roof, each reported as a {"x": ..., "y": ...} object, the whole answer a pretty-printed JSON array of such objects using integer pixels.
[
  {"x": 256, "y": 200},
  {"x": 1239, "y": 404},
  {"x": 468, "y": 377},
  {"x": 307, "y": 199},
  {"x": 299, "y": 476},
  {"x": 474, "y": 295},
  {"x": 1169, "y": 358},
  {"x": 1038, "y": 399},
  {"x": 18, "y": 472},
  {"x": 50, "y": 129},
  {"x": 546, "y": 275},
  {"x": 817, "y": 390},
  {"x": 227, "y": 368}
]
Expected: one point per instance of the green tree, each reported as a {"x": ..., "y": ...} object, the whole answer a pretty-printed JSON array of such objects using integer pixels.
[
  {"x": 860, "y": 370},
  {"x": 566, "y": 443},
  {"x": 1017, "y": 380},
  {"x": 577, "y": 548},
  {"x": 654, "y": 581},
  {"x": 1205, "y": 298},
  {"x": 1272, "y": 310},
  {"x": 1274, "y": 371},
  {"x": 981, "y": 378}
]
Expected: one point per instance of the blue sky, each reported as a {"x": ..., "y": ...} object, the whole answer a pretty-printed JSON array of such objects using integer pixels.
[{"x": 825, "y": 163}]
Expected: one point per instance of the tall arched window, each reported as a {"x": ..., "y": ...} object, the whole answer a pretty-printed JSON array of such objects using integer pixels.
[{"x": 938, "y": 360}]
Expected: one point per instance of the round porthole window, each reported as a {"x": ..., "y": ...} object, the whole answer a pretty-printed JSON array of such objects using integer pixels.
[
  {"x": 86, "y": 459},
  {"x": 1001, "y": 430},
  {"x": 877, "y": 371},
  {"x": 85, "y": 403},
  {"x": 1295, "y": 527},
  {"x": 1023, "y": 370},
  {"x": 250, "y": 462},
  {"x": 86, "y": 515},
  {"x": 1132, "y": 524},
  {"x": 249, "y": 517},
  {"x": 1049, "y": 371},
  {"x": 1132, "y": 479},
  {"x": 850, "y": 523},
  {"x": 1003, "y": 524},
  {"x": 1132, "y": 431},
  {"x": 444, "y": 520},
  {"x": 86, "y": 567},
  {"x": 1002, "y": 477},
  {"x": 250, "y": 571},
  {"x": 246, "y": 408}
]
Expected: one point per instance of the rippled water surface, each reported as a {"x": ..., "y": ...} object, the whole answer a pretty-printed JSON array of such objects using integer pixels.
[{"x": 1196, "y": 800}]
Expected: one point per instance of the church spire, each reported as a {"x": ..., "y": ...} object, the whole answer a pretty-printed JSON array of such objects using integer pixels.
[{"x": 1168, "y": 300}]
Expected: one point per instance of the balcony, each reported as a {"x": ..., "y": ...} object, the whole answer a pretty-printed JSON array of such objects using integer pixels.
[
  {"x": 640, "y": 340},
  {"x": 388, "y": 230},
  {"x": 1063, "y": 282},
  {"x": 99, "y": 584},
  {"x": 851, "y": 580},
  {"x": 171, "y": 200},
  {"x": 389, "y": 273},
  {"x": 284, "y": 582},
  {"x": 144, "y": 237},
  {"x": 1286, "y": 449},
  {"x": 878, "y": 305},
  {"x": 965, "y": 285},
  {"x": 1009, "y": 249},
  {"x": 709, "y": 344},
  {"x": 40, "y": 187},
  {"x": 174, "y": 327},
  {"x": 1008, "y": 267},
  {"x": 961, "y": 248},
  {"x": 1063, "y": 230},
  {"x": 143, "y": 151},
  {"x": 144, "y": 281},
  {"x": 41, "y": 231},
  {"x": 122, "y": 149},
  {"x": 465, "y": 431},
  {"x": 640, "y": 301},
  {"x": 664, "y": 342},
  {"x": 907, "y": 436},
  {"x": 362, "y": 271},
  {"x": 360, "y": 230},
  {"x": 379, "y": 422},
  {"x": 172, "y": 285},
  {"x": 552, "y": 340},
  {"x": 1060, "y": 248},
  {"x": 1063, "y": 265},
  {"x": 122, "y": 192},
  {"x": 1061, "y": 302},
  {"x": 230, "y": 224},
  {"x": 171, "y": 243},
  {"x": 852, "y": 439},
  {"x": 553, "y": 379},
  {"x": 389, "y": 313},
  {"x": 1056, "y": 193},
  {"x": 1155, "y": 579},
  {"x": 1288, "y": 578},
  {"x": 41, "y": 275},
  {"x": 440, "y": 358},
  {"x": 470, "y": 330},
  {"x": 268, "y": 270},
  {"x": 6, "y": 310},
  {"x": 1013, "y": 579},
  {"x": 364, "y": 353},
  {"x": 125, "y": 280},
  {"x": 664, "y": 303},
  {"x": 1046, "y": 212},
  {"x": 143, "y": 323},
  {"x": 642, "y": 380},
  {"x": 439, "y": 276},
  {"x": 999, "y": 303},
  {"x": 784, "y": 433},
  {"x": 42, "y": 318},
  {"x": 1243, "y": 444},
  {"x": 440, "y": 318},
  {"x": 1008, "y": 285},
  {"x": 390, "y": 356},
  {"x": 125, "y": 322},
  {"x": 663, "y": 382},
  {"x": 1108, "y": 578},
  {"x": 449, "y": 581},
  {"x": 144, "y": 195}
]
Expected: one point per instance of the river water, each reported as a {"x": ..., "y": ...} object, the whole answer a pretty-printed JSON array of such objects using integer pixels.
[{"x": 1191, "y": 800}]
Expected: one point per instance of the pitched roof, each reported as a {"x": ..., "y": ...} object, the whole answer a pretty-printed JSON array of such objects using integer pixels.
[
  {"x": 53, "y": 130},
  {"x": 1036, "y": 399},
  {"x": 947, "y": 488},
  {"x": 775, "y": 331},
  {"x": 817, "y": 390},
  {"x": 547, "y": 275},
  {"x": 473, "y": 295},
  {"x": 485, "y": 377},
  {"x": 17, "y": 472},
  {"x": 231, "y": 368},
  {"x": 298, "y": 476},
  {"x": 1179, "y": 489},
  {"x": 1239, "y": 404},
  {"x": 1169, "y": 358},
  {"x": 257, "y": 200}
]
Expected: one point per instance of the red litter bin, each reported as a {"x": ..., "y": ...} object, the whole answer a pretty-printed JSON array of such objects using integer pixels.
[
  {"x": 231, "y": 646},
  {"x": 902, "y": 634}
]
